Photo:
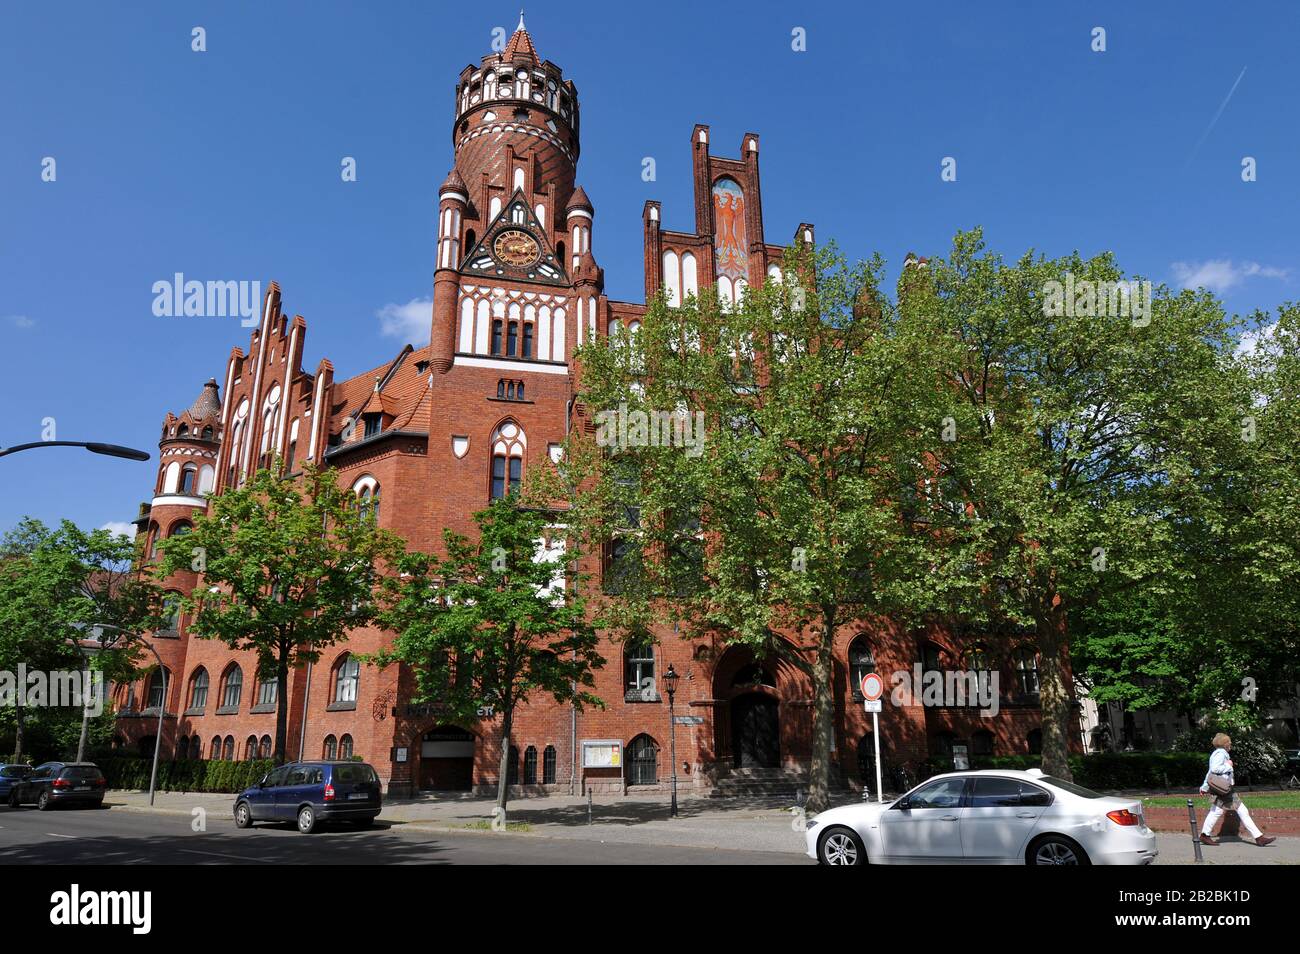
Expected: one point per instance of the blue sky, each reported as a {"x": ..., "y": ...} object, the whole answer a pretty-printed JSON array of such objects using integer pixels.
[{"x": 225, "y": 165}]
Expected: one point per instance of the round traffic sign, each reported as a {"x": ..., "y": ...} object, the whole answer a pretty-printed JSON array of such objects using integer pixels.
[{"x": 873, "y": 686}]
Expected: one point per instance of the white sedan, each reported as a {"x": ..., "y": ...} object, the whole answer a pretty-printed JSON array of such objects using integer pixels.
[{"x": 986, "y": 817}]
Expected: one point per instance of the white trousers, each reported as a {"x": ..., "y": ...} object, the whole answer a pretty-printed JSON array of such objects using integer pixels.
[{"x": 1243, "y": 814}]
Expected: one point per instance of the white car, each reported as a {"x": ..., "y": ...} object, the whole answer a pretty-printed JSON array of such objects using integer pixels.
[{"x": 986, "y": 817}]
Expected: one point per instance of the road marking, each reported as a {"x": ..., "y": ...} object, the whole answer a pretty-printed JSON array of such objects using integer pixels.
[
  {"x": 55, "y": 834},
  {"x": 218, "y": 854}
]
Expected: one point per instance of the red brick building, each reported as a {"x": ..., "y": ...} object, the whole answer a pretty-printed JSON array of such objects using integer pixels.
[{"x": 430, "y": 436}]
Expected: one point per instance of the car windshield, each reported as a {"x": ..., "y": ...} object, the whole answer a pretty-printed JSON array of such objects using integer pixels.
[
  {"x": 356, "y": 772},
  {"x": 82, "y": 771},
  {"x": 1068, "y": 786}
]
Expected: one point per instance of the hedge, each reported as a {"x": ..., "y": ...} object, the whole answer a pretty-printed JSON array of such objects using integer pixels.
[
  {"x": 184, "y": 775},
  {"x": 1117, "y": 770}
]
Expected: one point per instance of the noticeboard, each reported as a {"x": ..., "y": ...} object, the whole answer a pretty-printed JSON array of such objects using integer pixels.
[{"x": 602, "y": 753}]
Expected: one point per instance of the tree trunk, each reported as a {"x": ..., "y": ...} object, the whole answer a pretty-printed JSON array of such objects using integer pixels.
[
  {"x": 1054, "y": 691},
  {"x": 503, "y": 778},
  {"x": 281, "y": 710},
  {"x": 819, "y": 773},
  {"x": 19, "y": 719}
]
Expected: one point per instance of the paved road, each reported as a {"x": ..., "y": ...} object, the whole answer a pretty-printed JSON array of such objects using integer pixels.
[{"x": 107, "y": 836}]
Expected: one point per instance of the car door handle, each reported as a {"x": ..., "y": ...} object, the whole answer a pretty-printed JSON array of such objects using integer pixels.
[
  {"x": 947, "y": 818},
  {"x": 1026, "y": 814}
]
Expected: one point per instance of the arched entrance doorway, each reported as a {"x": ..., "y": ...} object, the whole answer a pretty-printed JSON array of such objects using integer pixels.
[
  {"x": 755, "y": 731},
  {"x": 447, "y": 759}
]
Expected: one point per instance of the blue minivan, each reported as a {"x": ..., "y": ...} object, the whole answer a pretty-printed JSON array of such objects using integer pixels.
[{"x": 312, "y": 793}]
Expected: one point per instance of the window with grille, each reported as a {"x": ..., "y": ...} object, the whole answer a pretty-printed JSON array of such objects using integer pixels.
[
  {"x": 530, "y": 766},
  {"x": 642, "y": 761},
  {"x": 548, "y": 765},
  {"x": 331, "y": 747}
]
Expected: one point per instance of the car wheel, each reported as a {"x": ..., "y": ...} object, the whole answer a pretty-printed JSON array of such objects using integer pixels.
[
  {"x": 306, "y": 819},
  {"x": 841, "y": 846},
  {"x": 243, "y": 816},
  {"x": 43, "y": 802},
  {"x": 1056, "y": 850}
]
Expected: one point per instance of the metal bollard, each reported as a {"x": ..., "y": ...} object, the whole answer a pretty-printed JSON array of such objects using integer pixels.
[
  {"x": 1196, "y": 836},
  {"x": 589, "y": 809}
]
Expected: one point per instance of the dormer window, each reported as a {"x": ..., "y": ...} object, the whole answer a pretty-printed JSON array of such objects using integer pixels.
[{"x": 373, "y": 425}]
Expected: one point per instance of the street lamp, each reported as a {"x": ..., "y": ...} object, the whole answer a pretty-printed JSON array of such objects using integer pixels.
[
  {"x": 95, "y": 447},
  {"x": 670, "y": 683}
]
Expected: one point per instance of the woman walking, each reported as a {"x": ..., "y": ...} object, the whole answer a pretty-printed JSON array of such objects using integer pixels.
[{"x": 1219, "y": 784}]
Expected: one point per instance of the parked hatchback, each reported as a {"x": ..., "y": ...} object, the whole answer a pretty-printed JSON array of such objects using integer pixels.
[
  {"x": 312, "y": 793},
  {"x": 9, "y": 775},
  {"x": 60, "y": 783}
]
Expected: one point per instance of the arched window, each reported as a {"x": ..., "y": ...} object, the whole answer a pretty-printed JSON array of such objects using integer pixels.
[
  {"x": 931, "y": 657},
  {"x": 228, "y": 749},
  {"x": 347, "y": 673},
  {"x": 207, "y": 433},
  {"x": 250, "y": 748},
  {"x": 978, "y": 659},
  {"x": 268, "y": 690},
  {"x": 639, "y": 671},
  {"x": 548, "y": 765},
  {"x": 1035, "y": 741},
  {"x": 232, "y": 687},
  {"x": 171, "y": 613},
  {"x": 530, "y": 765},
  {"x": 159, "y": 681},
  {"x": 183, "y": 430},
  {"x": 189, "y": 479},
  {"x": 981, "y": 742},
  {"x": 508, "y": 445},
  {"x": 214, "y": 750},
  {"x": 367, "y": 490},
  {"x": 198, "y": 690},
  {"x": 345, "y": 747},
  {"x": 861, "y": 662},
  {"x": 496, "y": 335},
  {"x": 331, "y": 748},
  {"x": 264, "y": 749},
  {"x": 512, "y": 767},
  {"x": 642, "y": 761},
  {"x": 180, "y": 529},
  {"x": 182, "y": 746},
  {"x": 1025, "y": 659},
  {"x": 196, "y": 748},
  {"x": 155, "y": 534}
]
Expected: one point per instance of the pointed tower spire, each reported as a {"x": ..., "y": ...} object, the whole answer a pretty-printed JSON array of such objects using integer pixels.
[{"x": 521, "y": 44}]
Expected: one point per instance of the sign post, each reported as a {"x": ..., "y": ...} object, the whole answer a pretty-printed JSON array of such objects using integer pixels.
[{"x": 873, "y": 688}]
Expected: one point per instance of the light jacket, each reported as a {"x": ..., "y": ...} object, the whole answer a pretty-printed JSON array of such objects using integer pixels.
[{"x": 1220, "y": 764}]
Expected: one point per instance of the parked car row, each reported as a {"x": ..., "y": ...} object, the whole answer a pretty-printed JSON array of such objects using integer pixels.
[
  {"x": 312, "y": 793},
  {"x": 53, "y": 783}
]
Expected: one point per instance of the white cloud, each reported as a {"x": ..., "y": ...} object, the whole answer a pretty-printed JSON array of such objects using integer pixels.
[
  {"x": 121, "y": 528},
  {"x": 1251, "y": 340},
  {"x": 1221, "y": 274},
  {"x": 21, "y": 321},
  {"x": 410, "y": 322}
]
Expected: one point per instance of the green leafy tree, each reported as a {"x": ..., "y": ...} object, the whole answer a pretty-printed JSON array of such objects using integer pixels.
[
  {"x": 57, "y": 582},
  {"x": 287, "y": 569},
  {"x": 745, "y": 470},
  {"x": 492, "y": 624},
  {"x": 1087, "y": 440}
]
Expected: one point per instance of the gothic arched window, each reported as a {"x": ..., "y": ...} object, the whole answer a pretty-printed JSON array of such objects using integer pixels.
[{"x": 508, "y": 445}]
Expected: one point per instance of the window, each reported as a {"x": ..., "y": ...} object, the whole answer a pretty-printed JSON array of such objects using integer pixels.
[
  {"x": 995, "y": 793},
  {"x": 1025, "y": 659},
  {"x": 981, "y": 742},
  {"x": 345, "y": 747},
  {"x": 977, "y": 659},
  {"x": 182, "y": 746},
  {"x": 199, "y": 689},
  {"x": 548, "y": 765},
  {"x": 861, "y": 662},
  {"x": 509, "y": 389},
  {"x": 508, "y": 445},
  {"x": 250, "y": 748},
  {"x": 268, "y": 690},
  {"x": 228, "y": 749},
  {"x": 158, "y": 681},
  {"x": 207, "y": 433},
  {"x": 196, "y": 748},
  {"x": 189, "y": 476},
  {"x": 931, "y": 657},
  {"x": 642, "y": 761},
  {"x": 530, "y": 765},
  {"x": 945, "y": 793},
  {"x": 331, "y": 748},
  {"x": 496, "y": 336},
  {"x": 1035, "y": 741},
  {"x": 639, "y": 672},
  {"x": 171, "y": 613},
  {"x": 623, "y": 568},
  {"x": 512, "y": 767},
  {"x": 347, "y": 673},
  {"x": 214, "y": 750},
  {"x": 232, "y": 688},
  {"x": 264, "y": 748},
  {"x": 528, "y": 339},
  {"x": 373, "y": 425}
]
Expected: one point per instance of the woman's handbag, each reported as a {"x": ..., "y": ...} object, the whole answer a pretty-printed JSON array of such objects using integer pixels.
[{"x": 1219, "y": 786}]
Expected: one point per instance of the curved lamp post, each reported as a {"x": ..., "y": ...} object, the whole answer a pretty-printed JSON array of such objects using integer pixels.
[{"x": 95, "y": 447}]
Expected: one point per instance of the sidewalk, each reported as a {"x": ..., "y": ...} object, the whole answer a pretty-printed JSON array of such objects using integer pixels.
[{"x": 748, "y": 824}]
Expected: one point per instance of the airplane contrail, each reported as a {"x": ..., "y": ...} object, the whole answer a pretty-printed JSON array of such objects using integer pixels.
[{"x": 1222, "y": 106}]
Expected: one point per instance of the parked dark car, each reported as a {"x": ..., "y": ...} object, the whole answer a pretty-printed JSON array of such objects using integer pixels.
[
  {"x": 312, "y": 793},
  {"x": 1292, "y": 764},
  {"x": 10, "y": 774},
  {"x": 60, "y": 783}
]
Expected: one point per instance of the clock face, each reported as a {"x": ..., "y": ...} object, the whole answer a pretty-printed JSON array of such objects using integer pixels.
[{"x": 516, "y": 247}]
